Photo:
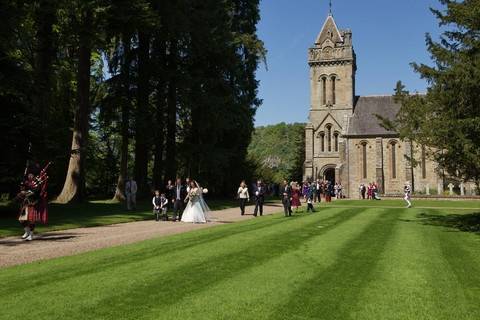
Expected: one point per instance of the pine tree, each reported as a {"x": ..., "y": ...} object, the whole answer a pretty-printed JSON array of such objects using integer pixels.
[{"x": 447, "y": 117}]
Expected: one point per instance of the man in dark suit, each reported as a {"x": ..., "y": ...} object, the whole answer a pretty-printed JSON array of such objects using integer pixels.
[
  {"x": 259, "y": 192},
  {"x": 286, "y": 192},
  {"x": 179, "y": 193}
]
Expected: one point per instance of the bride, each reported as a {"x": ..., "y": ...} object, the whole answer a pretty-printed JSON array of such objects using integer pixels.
[{"x": 197, "y": 210}]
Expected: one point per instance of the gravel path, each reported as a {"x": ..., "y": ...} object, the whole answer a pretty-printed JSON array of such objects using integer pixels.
[{"x": 15, "y": 251}]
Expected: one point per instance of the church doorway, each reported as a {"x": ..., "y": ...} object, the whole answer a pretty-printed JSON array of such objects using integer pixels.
[{"x": 329, "y": 175}]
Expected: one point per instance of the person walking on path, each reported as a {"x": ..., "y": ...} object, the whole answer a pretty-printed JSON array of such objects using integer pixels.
[
  {"x": 131, "y": 194},
  {"x": 259, "y": 191},
  {"x": 243, "y": 196},
  {"x": 160, "y": 203},
  {"x": 295, "y": 195},
  {"x": 179, "y": 195},
  {"x": 286, "y": 192}
]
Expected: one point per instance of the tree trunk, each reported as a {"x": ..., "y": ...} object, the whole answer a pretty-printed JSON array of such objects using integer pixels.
[
  {"x": 160, "y": 54},
  {"x": 74, "y": 186},
  {"x": 45, "y": 17},
  {"x": 120, "y": 190},
  {"x": 171, "y": 165},
  {"x": 142, "y": 115}
]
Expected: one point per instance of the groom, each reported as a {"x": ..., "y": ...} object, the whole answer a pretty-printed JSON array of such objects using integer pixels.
[{"x": 179, "y": 194}]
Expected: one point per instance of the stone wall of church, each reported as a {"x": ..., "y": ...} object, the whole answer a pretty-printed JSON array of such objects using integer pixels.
[{"x": 379, "y": 166}]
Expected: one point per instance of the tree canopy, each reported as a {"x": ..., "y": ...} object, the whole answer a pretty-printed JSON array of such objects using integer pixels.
[
  {"x": 151, "y": 89},
  {"x": 278, "y": 152},
  {"x": 447, "y": 117}
]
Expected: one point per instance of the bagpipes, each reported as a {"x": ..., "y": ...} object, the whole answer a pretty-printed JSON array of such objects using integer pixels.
[{"x": 34, "y": 187}]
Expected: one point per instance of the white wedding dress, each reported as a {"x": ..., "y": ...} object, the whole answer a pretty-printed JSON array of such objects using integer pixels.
[{"x": 196, "y": 210}]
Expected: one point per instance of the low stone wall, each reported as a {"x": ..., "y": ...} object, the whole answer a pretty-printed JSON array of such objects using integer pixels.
[{"x": 432, "y": 197}]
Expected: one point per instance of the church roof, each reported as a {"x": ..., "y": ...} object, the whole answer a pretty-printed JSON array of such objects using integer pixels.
[
  {"x": 329, "y": 31},
  {"x": 365, "y": 123}
]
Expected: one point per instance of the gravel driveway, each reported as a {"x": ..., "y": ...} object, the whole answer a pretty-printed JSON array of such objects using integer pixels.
[{"x": 15, "y": 251}]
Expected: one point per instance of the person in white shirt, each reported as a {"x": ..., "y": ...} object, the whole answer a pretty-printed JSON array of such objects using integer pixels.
[
  {"x": 243, "y": 196},
  {"x": 160, "y": 203},
  {"x": 131, "y": 194},
  {"x": 407, "y": 190}
]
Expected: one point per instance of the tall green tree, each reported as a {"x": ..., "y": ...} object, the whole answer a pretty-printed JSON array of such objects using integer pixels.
[
  {"x": 447, "y": 117},
  {"x": 74, "y": 186}
]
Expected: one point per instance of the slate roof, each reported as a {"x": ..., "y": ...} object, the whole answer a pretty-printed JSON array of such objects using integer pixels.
[{"x": 365, "y": 123}]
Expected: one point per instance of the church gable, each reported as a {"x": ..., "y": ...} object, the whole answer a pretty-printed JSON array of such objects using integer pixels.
[
  {"x": 329, "y": 33},
  {"x": 328, "y": 119}
]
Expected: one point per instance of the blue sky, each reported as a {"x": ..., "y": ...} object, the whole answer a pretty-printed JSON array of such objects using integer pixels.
[{"x": 387, "y": 36}]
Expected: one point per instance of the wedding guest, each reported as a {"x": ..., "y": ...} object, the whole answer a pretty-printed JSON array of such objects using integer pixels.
[
  {"x": 169, "y": 189},
  {"x": 375, "y": 192},
  {"x": 363, "y": 189},
  {"x": 318, "y": 191},
  {"x": 339, "y": 191},
  {"x": 310, "y": 204},
  {"x": 178, "y": 199},
  {"x": 259, "y": 192},
  {"x": 305, "y": 190},
  {"x": 131, "y": 194},
  {"x": 286, "y": 192},
  {"x": 369, "y": 191},
  {"x": 295, "y": 195},
  {"x": 243, "y": 196},
  {"x": 328, "y": 191},
  {"x": 407, "y": 190},
  {"x": 160, "y": 203}
]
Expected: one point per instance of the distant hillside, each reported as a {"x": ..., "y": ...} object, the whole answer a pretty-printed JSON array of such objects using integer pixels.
[{"x": 278, "y": 151}]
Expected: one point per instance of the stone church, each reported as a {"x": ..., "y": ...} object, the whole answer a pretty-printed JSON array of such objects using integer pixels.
[{"x": 344, "y": 140}]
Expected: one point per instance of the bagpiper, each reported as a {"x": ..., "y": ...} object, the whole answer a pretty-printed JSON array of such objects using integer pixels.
[{"x": 33, "y": 200}]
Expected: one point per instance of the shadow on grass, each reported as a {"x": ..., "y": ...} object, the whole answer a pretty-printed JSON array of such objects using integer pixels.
[{"x": 462, "y": 222}]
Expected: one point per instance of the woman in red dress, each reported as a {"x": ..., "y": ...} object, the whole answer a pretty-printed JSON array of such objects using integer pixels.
[{"x": 296, "y": 194}]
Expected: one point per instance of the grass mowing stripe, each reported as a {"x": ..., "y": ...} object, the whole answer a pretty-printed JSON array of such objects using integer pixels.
[
  {"x": 415, "y": 280},
  {"x": 200, "y": 276},
  {"x": 460, "y": 252},
  {"x": 402, "y": 288},
  {"x": 111, "y": 257},
  {"x": 331, "y": 293},
  {"x": 252, "y": 293},
  {"x": 118, "y": 274}
]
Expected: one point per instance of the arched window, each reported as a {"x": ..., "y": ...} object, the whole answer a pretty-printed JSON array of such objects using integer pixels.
[
  {"x": 321, "y": 136},
  {"x": 393, "y": 159},
  {"x": 333, "y": 79},
  {"x": 329, "y": 137},
  {"x": 364, "y": 160},
  {"x": 424, "y": 163},
  {"x": 335, "y": 141},
  {"x": 324, "y": 91}
]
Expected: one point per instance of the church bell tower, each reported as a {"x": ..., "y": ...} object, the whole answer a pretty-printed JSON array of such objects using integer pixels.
[{"x": 332, "y": 65}]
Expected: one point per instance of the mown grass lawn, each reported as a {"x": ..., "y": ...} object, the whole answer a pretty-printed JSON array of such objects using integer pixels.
[
  {"x": 89, "y": 214},
  {"x": 338, "y": 263}
]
